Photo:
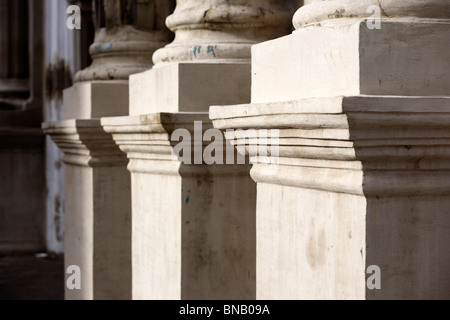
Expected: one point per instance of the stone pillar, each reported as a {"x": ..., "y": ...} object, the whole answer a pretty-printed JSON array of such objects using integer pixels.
[
  {"x": 209, "y": 60},
  {"x": 97, "y": 235},
  {"x": 97, "y": 222},
  {"x": 194, "y": 223},
  {"x": 127, "y": 34},
  {"x": 361, "y": 174}
]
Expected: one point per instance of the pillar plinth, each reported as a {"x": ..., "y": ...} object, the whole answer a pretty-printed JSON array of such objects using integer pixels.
[
  {"x": 190, "y": 240},
  {"x": 357, "y": 52},
  {"x": 97, "y": 225},
  {"x": 359, "y": 181},
  {"x": 361, "y": 175},
  {"x": 97, "y": 235},
  {"x": 195, "y": 223}
]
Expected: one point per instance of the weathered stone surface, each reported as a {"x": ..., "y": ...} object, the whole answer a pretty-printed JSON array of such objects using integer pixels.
[
  {"x": 222, "y": 30},
  {"x": 187, "y": 87},
  {"x": 193, "y": 225},
  {"x": 344, "y": 57},
  {"x": 359, "y": 181},
  {"x": 127, "y": 35},
  {"x": 92, "y": 100},
  {"x": 202, "y": 245},
  {"x": 209, "y": 61},
  {"x": 97, "y": 236}
]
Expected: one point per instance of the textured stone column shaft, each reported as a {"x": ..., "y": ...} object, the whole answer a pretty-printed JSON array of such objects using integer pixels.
[
  {"x": 357, "y": 182},
  {"x": 352, "y": 52}
]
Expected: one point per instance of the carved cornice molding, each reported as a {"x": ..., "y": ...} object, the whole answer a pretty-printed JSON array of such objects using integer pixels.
[
  {"x": 320, "y": 11},
  {"x": 360, "y": 145},
  {"x": 146, "y": 139},
  {"x": 85, "y": 143},
  {"x": 223, "y": 30}
]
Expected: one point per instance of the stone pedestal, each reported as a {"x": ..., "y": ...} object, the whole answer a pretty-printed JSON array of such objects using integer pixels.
[
  {"x": 97, "y": 226},
  {"x": 94, "y": 99},
  {"x": 189, "y": 87},
  {"x": 361, "y": 176},
  {"x": 193, "y": 228},
  {"x": 359, "y": 181},
  {"x": 345, "y": 57},
  {"x": 194, "y": 224},
  {"x": 97, "y": 222},
  {"x": 98, "y": 185}
]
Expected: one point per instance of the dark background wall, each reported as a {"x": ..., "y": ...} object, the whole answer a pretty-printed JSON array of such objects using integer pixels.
[
  {"x": 21, "y": 140},
  {"x": 29, "y": 84}
]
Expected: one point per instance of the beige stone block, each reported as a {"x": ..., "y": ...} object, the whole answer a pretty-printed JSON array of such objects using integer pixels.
[
  {"x": 357, "y": 182},
  {"x": 189, "y": 87},
  {"x": 404, "y": 57},
  {"x": 97, "y": 230},
  {"x": 202, "y": 245},
  {"x": 311, "y": 244},
  {"x": 407, "y": 238},
  {"x": 95, "y": 99},
  {"x": 194, "y": 234},
  {"x": 78, "y": 231},
  {"x": 97, "y": 224},
  {"x": 315, "y": 244}
]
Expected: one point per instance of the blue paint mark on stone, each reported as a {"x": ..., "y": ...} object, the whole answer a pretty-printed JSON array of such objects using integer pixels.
[
  {"x": 187, "y": 222},
  {"x": 188, "y": 198},
  {"x": 108, "y": 46},
  {"x": 197, "y": 50},
  {"x": 211, "y": 49},
  {"x": 97, "y": 48}
]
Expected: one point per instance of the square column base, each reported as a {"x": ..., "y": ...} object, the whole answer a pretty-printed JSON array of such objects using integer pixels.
[
  {"x": 357, "y": 182},
  {"x": 405, "y": 57},
  {"x": 95, "y": 99},
  {"x": 194, "y": 225},
  {"x": 315, "y": 244},
  {"x": 189, "y": 87},
  {"x": 97, "y": 222}
]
